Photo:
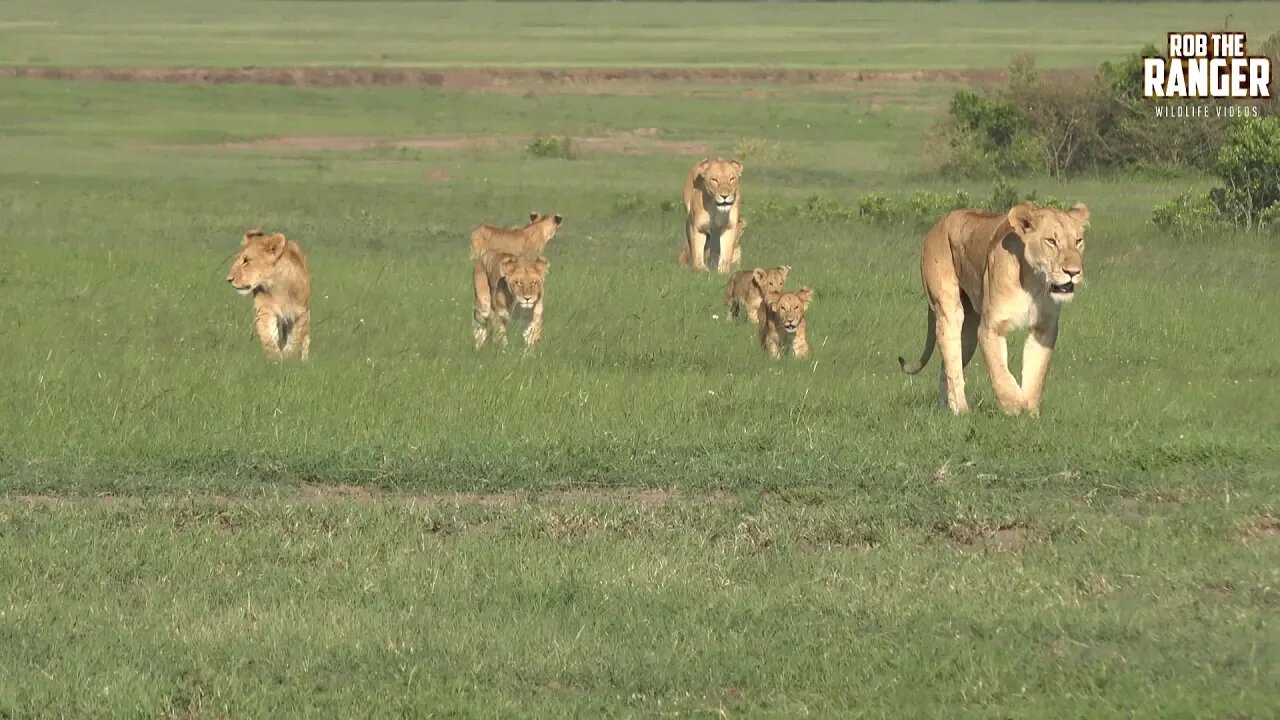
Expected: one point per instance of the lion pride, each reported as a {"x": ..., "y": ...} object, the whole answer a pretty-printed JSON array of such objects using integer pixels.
[
  {"x": 712, "y": 198},
  {"x": 273, "y": 270},
  {"x": 987, "y": 274}
]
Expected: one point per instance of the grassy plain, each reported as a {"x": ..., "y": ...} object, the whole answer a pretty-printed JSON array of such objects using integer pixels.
[{"x": 645, "y": 517}]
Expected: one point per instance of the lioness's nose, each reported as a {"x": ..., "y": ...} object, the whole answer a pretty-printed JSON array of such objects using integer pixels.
[{"x": 1072, "y": 273}]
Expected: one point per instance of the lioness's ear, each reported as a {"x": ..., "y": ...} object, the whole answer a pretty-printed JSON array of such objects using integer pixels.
[
  {"x": 736, "y": 165},
  {"x": 254, "y": 233},
  {"x": 275, "y": 244},
  {"x": 701, "y": 168},
  {"x": 542, "y": 264},
  {"x": 533, "y": 217},
  {"x": 559, "y": 219},
  {"x": 1023, "y": 217},
  {"x": 506, "y": 266},
  {"x": 1080, "y": 212},
  {"x": 806, "y": 296}
]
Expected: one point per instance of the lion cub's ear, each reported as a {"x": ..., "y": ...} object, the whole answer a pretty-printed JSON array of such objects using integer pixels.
[
  {"x": 543, "y": 265},
  {"x": 275, "y": 244},
  {"x": 758, "y": 275},
  {"x": 1080, "y": 212},
  {"x": 533, "y": 217},
  {"x": 806, "y": 296},
  {"x": 1023, "y": 217},
  {"x": 785, "y": 270},
  {"x": 558, "y": 219}
]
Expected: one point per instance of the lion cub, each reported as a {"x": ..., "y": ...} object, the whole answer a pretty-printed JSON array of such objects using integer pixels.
[
  {"x": 784, "y": 323},
  {"x": 505, "y": 282},
  {"x": 749, "y": 288},
  {"x": 273, "y": 270},
  {"x": 528, "y": 240}
]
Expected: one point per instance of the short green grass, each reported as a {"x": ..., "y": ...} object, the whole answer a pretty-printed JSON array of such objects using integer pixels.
[
  {"x": 644, "y": 517},
  {"x": 859, "y": 36}
]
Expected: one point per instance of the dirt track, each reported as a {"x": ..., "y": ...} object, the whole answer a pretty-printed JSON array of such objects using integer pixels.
[{"x": 484, "y": 78}]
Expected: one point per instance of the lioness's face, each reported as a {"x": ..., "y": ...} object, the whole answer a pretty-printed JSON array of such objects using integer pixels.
[
  {"x": 789, "y": 308},
  {"x": 771, "y": 280},
  {"x": 526, "y": 278},
  {"x": 1054, "y": 244},
  {"x": 720, "y": 181},
  {"x": 255, "y": 264}
]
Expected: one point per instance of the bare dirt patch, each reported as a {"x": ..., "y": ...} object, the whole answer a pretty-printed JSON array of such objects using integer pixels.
[
  {"x": 587, "y": 79},
  {"x": 1259, "y": 529},
  {"x": 987, "y": 537}
]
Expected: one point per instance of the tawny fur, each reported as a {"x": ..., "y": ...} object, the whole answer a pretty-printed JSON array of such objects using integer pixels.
[
  {"x": 505, "y": 283},
  {"x": 712, "y": 201},
  {"x": 988, "y": 274},
  {"x": 747, "y": 290},
  {"x": 274, "y": 270},
  {"x": 785, "y": 324},
  {"x": 525, "y": 241}
]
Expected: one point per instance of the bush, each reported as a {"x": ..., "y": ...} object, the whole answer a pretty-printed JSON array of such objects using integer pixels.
[
  {"x": 1248, "y": 164},
  {"x": 1249, "y": 167},
  {"x": 551, "y": 147},
  {"x": 759, "y": 150},
  {"x": 920, "y": 209},
  {"x": 1069, "y": 124},
  {"x": 1188, "y": 215}
]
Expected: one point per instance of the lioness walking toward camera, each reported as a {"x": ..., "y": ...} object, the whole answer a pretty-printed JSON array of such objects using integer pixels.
[
  {"x": 784, "y": 323},
  {"x": 273, "y": 270},
  {"x": 712, "y": 196},
  {"x": 505, "y": 283},
  {"x": 528, "y": 240},
  {"x": 748, "y": 289},
  {"x": 988, "y": 274}
]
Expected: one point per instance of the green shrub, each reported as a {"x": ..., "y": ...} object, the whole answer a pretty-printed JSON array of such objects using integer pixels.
[
  {"x": 1248, "y": 165},
  {"x": 1188, "y": 215},
  {"x": 551, "y": 147},
  {"x": 1069, "y": 124},
  {"x": 920, "y": 209}
]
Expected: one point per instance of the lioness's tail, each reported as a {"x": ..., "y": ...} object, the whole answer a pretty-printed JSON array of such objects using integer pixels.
[{"x": 929, "y": 340}]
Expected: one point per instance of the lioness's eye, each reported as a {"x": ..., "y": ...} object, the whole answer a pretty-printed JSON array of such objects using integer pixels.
[
  {"x": 1079, "y": 242},
  {"x": 1052, "y": 242}
]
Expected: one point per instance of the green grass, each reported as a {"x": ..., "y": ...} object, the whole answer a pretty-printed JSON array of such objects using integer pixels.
[
  {"x": 646, "y": 516},
  {"x": 859, "y": 36}
]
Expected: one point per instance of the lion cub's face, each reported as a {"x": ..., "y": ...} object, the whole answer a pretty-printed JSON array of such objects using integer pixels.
[
  {"x": 720, "y": 181},
  {"x": 255, "y": 264},
  {"x": 789, "y": 308},
  {"x": 770, "y": 280},
  {"x": 1054, "y": 244},
  {"x": 525, "y": 278}
]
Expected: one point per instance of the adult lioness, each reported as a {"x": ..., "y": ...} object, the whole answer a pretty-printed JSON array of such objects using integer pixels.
[
  {"x": 748, "y": 289},
  {"x": 504, "y": 282},
  {"x": 712, "y": 197},
  {"x": 528, "y": 240},
  {"x": 274, "y": 270},
  {"x": 987, "y": 274}
]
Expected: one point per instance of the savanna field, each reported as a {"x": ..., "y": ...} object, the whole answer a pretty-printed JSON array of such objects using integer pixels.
[{"x": 645, "y": 516}]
